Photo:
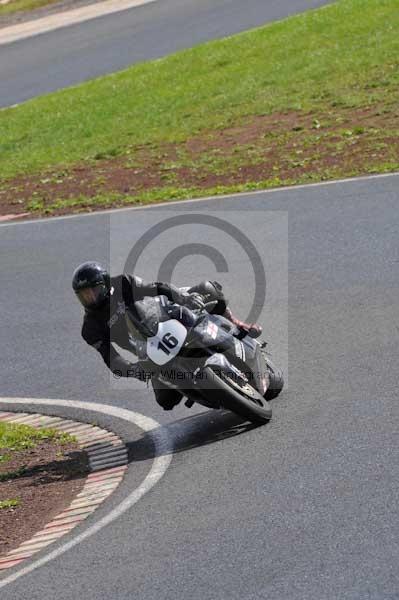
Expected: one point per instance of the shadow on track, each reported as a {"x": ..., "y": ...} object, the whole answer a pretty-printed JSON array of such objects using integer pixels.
[{"x": 192, "y": 432}]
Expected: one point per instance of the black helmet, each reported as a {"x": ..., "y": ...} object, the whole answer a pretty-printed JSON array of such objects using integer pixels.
[{"x": 92, "y": 284}]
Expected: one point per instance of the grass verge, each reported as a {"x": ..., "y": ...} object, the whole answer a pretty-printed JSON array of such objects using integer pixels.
[
  {"x": 311, "y": 97},
  {"x": 14, "y": 438},
  {"x": 15, "y": 6},
  {"x": 11, "y": 503}
]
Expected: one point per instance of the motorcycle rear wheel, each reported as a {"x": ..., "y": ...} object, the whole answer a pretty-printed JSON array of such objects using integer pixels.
[{"x": 244, "y": 401}]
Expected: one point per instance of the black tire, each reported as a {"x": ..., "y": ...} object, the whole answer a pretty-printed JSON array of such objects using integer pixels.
[
  {"x": 255, "y": 409},
  {"x": 276, "y": 379}
]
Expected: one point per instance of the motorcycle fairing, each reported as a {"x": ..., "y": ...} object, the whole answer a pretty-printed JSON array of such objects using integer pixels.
[
  {"x": 244, "y": 354},
  {"x": 166, "y": 344}
]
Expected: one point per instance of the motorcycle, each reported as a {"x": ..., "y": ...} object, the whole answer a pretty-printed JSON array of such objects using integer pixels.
[{"x": 204, "y": 356}]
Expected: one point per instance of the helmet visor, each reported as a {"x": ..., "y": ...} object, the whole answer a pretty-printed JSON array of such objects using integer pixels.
[{"x": 91, "y": 297}]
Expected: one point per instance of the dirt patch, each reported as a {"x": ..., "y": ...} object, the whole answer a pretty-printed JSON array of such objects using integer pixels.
[
  {"x": 276, "y": 149},
  {"x": 45, "y": 481}
]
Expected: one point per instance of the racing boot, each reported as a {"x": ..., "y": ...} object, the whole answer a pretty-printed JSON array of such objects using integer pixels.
[
  {"x": 251, "y": 329},
  {"x": 165, "y": 396}
]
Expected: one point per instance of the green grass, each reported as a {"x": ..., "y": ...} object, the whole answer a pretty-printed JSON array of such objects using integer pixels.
[
  {"x": 12, "y": 503},
  {"x": 342, "y": 55},
  {"x": 22, "y": 6},
  {"x": 20, "y": 437}
]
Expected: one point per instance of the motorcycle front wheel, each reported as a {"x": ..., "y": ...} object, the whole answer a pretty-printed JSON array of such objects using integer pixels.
[{"x": 243, "y": 400}]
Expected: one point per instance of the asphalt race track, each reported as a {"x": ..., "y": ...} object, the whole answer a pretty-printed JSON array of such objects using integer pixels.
[
  {"x": 303, "y": 508},
  {"x": 54, "y": 60}
]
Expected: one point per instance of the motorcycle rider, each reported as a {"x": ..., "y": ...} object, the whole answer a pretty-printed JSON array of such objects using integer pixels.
[{"x": 105, "y": 299}]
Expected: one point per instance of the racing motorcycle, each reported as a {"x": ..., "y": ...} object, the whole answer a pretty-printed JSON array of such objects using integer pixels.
[{"x": 204, "y": 356}]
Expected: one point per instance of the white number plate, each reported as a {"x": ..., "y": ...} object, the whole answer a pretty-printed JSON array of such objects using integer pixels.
[{"x": 168, "y": 342}]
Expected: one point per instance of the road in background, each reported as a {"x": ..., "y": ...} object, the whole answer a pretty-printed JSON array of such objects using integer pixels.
[
  {"x": 68, "y": 56},
  {"x": 303, "y": 508}
]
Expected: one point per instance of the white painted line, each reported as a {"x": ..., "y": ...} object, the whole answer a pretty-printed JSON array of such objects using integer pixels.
[
  {"x": 161, "y": 462},
  {"x": 66, "y": 18},
  {"x": 288, "y": 188}
]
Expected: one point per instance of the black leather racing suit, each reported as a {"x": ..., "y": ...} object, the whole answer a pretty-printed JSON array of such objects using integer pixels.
[{"x": 106, "y": 326}]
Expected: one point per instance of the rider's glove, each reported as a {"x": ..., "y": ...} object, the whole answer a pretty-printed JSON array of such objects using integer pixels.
[{"x": 193, "y": 301}]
